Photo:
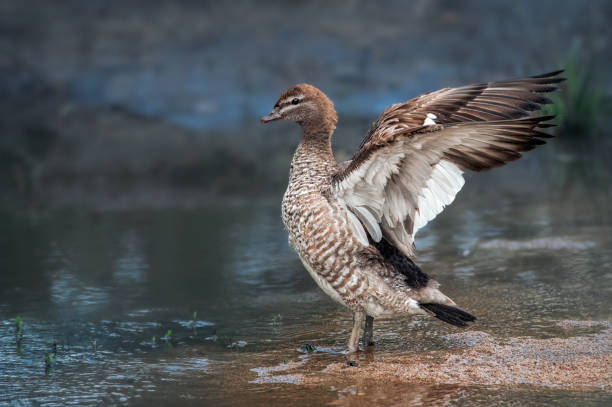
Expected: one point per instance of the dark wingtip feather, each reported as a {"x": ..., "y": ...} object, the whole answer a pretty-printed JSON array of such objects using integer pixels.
[
  {"x": 541, "y": 134},
  {"x": 549, "y": 74},
  {"x": 546, "y": 88},
  {"x": 449, "y": 314},
  {"x": 544, "y": 119},
  {"x": 542, "y": 100},
  {"x": 551, "y": 79}
]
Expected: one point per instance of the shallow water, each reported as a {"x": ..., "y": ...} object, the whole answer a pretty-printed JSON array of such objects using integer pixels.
[{"x": 101, "y": 289}]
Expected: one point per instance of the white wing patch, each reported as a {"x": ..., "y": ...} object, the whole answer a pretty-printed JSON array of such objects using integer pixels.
[
  {"x": 445, "y": 181},
  {"x": 429, "y": 120},
  {"x": 369, "y": 221},
  {"x": 395, "y": 193},
  {"x": 361, "y": 191}
]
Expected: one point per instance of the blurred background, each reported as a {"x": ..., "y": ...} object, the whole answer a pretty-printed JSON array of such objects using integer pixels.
[
  {"x": 142, "y": 255},
  {"x": 106, "y": 98}
]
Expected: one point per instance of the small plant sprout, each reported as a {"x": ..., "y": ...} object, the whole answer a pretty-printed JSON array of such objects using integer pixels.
[
  {"x": 168, "y": 335},
  {"x": 167, "y": 338},
  {"x": 194, "y": 319},
  {"x": 19, "y": 335},
  {"x": 49, "y": 359},
  {"x": 18, "y": 328},
  {"x": 18, "y": 324}
]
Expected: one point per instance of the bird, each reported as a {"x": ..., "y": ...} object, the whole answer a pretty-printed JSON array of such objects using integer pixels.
[{"x": 353, "y": 224}]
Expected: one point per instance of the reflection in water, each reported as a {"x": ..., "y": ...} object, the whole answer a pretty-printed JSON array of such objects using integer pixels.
[
  {"x": 555, "y": 243},
  {"x": 210, "y": 305},
  {"x": 271, "y": 374},
  {"x": 70, "y": 294},
  {"x": 396, "y": 394},
  {"x": 183, "y": 366},
  {"x": 131, "y": 267}
]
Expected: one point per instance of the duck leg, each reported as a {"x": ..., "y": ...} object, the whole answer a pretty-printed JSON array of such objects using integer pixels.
[
  {"x": 353, "y": 343},
  {"x": 367, "y": 331}
]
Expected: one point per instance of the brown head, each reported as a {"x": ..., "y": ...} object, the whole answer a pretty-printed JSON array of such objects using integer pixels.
[{"x": 307, "y": 106}]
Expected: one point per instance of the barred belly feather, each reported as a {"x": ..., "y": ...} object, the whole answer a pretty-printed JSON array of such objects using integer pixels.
[{"x": 320, "y": 230}]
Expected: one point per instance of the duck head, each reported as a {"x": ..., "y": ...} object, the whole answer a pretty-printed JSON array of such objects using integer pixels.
[{"x": 305, "y": 105}]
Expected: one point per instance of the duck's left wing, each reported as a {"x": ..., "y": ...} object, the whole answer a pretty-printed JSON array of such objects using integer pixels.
[{"x": 411, "y": 164}]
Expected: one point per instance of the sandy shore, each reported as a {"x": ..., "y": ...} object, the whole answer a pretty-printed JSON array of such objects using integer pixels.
[{"x": 478, "y": 358}]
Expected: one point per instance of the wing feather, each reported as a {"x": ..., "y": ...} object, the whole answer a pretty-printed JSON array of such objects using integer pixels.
[{"x": 411, "y": 164}]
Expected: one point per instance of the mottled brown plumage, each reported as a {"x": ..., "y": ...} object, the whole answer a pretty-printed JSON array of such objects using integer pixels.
[{"x": 353, "y": 225}]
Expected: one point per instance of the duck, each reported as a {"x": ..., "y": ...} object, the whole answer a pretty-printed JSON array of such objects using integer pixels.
[{"x": 353, "y": 224}]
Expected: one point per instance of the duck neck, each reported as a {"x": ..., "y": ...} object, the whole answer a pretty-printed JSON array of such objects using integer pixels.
[
  {"x": 317, "y": 143},
  {"x": 314, "y": 156}
]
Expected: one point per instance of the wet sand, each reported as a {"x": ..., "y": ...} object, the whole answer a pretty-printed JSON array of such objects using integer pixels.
[{"x": 478, "y": 358}]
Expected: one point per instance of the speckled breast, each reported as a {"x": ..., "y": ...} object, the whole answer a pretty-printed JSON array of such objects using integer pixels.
[{"x": 320, "y": 233}]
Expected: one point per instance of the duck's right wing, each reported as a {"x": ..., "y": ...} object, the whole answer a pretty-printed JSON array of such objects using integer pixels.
[{"x": 410, "y": 165}]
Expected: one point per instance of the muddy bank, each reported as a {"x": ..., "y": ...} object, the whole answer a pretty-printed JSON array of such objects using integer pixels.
[{"x": 478, "y": 358}]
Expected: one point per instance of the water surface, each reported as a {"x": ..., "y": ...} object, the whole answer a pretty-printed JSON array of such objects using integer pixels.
[{"x": 112, "y": 295}]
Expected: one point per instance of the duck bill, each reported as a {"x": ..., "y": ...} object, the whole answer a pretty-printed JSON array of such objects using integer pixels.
[{"x": 274, "y": 115}]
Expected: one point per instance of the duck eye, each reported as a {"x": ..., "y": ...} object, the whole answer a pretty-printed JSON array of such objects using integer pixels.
[{"x": 295, "y": 101}]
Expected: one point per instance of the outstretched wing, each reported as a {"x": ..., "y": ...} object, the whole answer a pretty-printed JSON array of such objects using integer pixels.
[{"x": 410, "y": 165}]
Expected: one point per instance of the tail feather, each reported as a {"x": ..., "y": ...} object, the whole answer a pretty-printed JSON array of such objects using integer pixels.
[{"x": 449, "y": 314}]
